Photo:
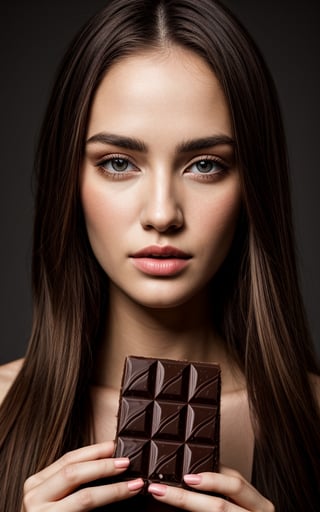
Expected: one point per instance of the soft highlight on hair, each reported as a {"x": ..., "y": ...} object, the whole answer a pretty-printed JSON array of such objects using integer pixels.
[{"x": 256, "y": 296}]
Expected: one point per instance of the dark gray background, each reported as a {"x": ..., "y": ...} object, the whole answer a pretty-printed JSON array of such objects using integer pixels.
[{"x": 33, "y": 37}]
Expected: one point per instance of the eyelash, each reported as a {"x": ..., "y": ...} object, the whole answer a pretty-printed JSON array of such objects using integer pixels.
[
  {"x": 120, "y": 175},
  {"x": 114, "y": 175},
  {"x": 222, "y": 168}
]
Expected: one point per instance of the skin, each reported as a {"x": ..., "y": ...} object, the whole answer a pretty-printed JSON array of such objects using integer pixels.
[
  {"x": 160, "y": 195},
  {"x": 159, "y": 199}
]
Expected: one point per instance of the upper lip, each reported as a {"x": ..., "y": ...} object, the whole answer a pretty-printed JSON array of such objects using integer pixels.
[{"x": 161, "y": 251}]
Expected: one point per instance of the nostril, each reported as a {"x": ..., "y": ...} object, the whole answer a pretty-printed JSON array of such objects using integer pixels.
[
  {"x": 162, "y": 220},
  {"x": 162, "y": 229}
]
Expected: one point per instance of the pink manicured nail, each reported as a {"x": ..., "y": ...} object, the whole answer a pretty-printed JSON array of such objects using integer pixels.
[
  {"x": 192, "y": 479},
  {"x": 134, "y": 485},
  {"x": 157, "y": 489},
  {"x": 121, "y": 463}
]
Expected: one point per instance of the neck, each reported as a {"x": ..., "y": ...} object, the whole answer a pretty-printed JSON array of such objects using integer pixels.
[{"x": 182, "y": 332}]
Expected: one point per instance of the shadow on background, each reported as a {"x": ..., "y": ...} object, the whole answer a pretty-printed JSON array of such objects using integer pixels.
[{"x": 33, "y": 37}]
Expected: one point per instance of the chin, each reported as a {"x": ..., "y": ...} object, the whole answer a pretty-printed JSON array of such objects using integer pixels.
[{"x": 166, "y": 301}]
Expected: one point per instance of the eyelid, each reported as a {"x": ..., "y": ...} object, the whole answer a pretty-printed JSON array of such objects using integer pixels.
[
  {"x": 114, "y": 156},
  {"x": 211, "y": 158},
  {"x": 198, "y": 158},
  {"x": 114, "y": 174}
]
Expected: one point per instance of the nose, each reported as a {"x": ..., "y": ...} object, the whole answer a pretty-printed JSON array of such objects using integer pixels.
[{"x": 161, "y": 209}]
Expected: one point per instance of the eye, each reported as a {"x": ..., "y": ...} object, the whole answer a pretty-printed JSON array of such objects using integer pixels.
[
  {"x": 116, "y": 164},
  {"x": 119, "y": 164},
  {"x": 207, "y": 166},
  {"x": 116, "y": 167}
]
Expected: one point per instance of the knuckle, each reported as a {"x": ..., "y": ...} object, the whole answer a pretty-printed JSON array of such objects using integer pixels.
[
  {"x": 31, "y": 482},
  {"x": 234, "y": 473},
  {"x": 104, "y": 467},
  {"x": 28, "y": 484},
  {"x": 69, "y": 473},
  {"x": 84, "y": 499},
  {"x": 238, "y": 484},
  {"x": 29, "y": 490},
  {"x": 66, "y": 459},
  {"x": 221, "y": 505},
  {"x": 269, "y": 506},
  {"x": 118, "y": 492},
  {"x": 181, "y": 500},
  {"x": 29, "y": 499}
]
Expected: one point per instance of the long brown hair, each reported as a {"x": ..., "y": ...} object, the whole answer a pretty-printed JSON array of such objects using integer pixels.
[{"x": 260, "y": 311}]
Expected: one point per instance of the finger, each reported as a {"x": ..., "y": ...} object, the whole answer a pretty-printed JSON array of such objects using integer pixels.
[
  {"x": 71, "y": 476},
  {"x": 93, "y": 497},
  {"x": 229, "y": 483},
  {"x": 192, "y": 501},
  {"x": 87, "y": 453}
]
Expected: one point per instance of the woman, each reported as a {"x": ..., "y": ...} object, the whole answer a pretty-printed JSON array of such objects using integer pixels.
[{"x": 163, "y": 228}]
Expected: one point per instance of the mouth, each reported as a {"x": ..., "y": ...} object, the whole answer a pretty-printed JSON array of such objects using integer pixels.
[
  {"x": 161, "y": 253},
  {"x": 160, "y": 261}
]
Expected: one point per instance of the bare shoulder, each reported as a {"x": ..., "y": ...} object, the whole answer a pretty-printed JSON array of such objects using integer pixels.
[
  {"x": 8, "y": 373},
  {"x": 315, "y": 383}
]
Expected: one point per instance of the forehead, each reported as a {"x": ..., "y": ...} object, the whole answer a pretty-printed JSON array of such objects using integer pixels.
[{"x": 173, "y": 82}]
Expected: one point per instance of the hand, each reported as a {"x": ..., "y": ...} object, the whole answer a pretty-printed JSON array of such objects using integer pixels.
[
  {"x": 241, "y": 495},
  {"x": 55, "y": 487}
]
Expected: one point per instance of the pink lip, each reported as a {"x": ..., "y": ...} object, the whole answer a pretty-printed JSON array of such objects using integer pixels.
[
  {"x": 159, "y": 260},
  {"x": 164, "y": 251}
]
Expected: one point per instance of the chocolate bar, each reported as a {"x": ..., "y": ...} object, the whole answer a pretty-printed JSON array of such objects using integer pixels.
[{"x": 169, "y": 419}]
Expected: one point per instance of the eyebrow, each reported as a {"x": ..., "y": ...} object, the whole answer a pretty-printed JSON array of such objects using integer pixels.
[
  {"x": 118, "y": 140},
  {"x": 204, "y": 143},
  {"x": 137, "y": 145}
]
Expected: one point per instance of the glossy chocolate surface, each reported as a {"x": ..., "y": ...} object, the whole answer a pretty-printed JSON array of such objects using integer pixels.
[{"x": 169, "y": 419}]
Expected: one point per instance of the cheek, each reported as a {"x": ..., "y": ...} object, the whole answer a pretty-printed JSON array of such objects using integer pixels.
[
  {"x": 226, "y": 213},
  {"x": 94, "y": 207},
  {"x": 99, "y": 214},
  {"x": 219, "y": 220}
]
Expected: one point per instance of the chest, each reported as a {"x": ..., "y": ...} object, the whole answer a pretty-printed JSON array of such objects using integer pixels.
[{"x": 236, "y": 434}]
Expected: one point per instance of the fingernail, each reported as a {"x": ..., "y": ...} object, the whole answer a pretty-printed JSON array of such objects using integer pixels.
[
  {"x": 134, "y": 485},
  {"x": 192, "y": 479},
  {"x": 157, "y": 489},
  {"x": 122, "y": 462}
]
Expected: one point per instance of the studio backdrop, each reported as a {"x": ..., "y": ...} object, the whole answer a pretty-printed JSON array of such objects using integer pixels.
[{"x": 33, "y": 37}]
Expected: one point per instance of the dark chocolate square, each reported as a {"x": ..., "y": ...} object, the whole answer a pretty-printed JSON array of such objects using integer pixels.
[{"x": 169, "y": 419}]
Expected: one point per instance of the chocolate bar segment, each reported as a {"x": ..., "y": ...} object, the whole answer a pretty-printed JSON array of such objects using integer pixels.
[{"x": 169, "y": 419}]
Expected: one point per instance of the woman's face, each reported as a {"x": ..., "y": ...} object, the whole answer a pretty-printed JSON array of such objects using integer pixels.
[{"x": 160, "y": 187}]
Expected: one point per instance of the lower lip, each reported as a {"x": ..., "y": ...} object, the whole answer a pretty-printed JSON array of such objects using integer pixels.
[{"x": 160, "y": 267}]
